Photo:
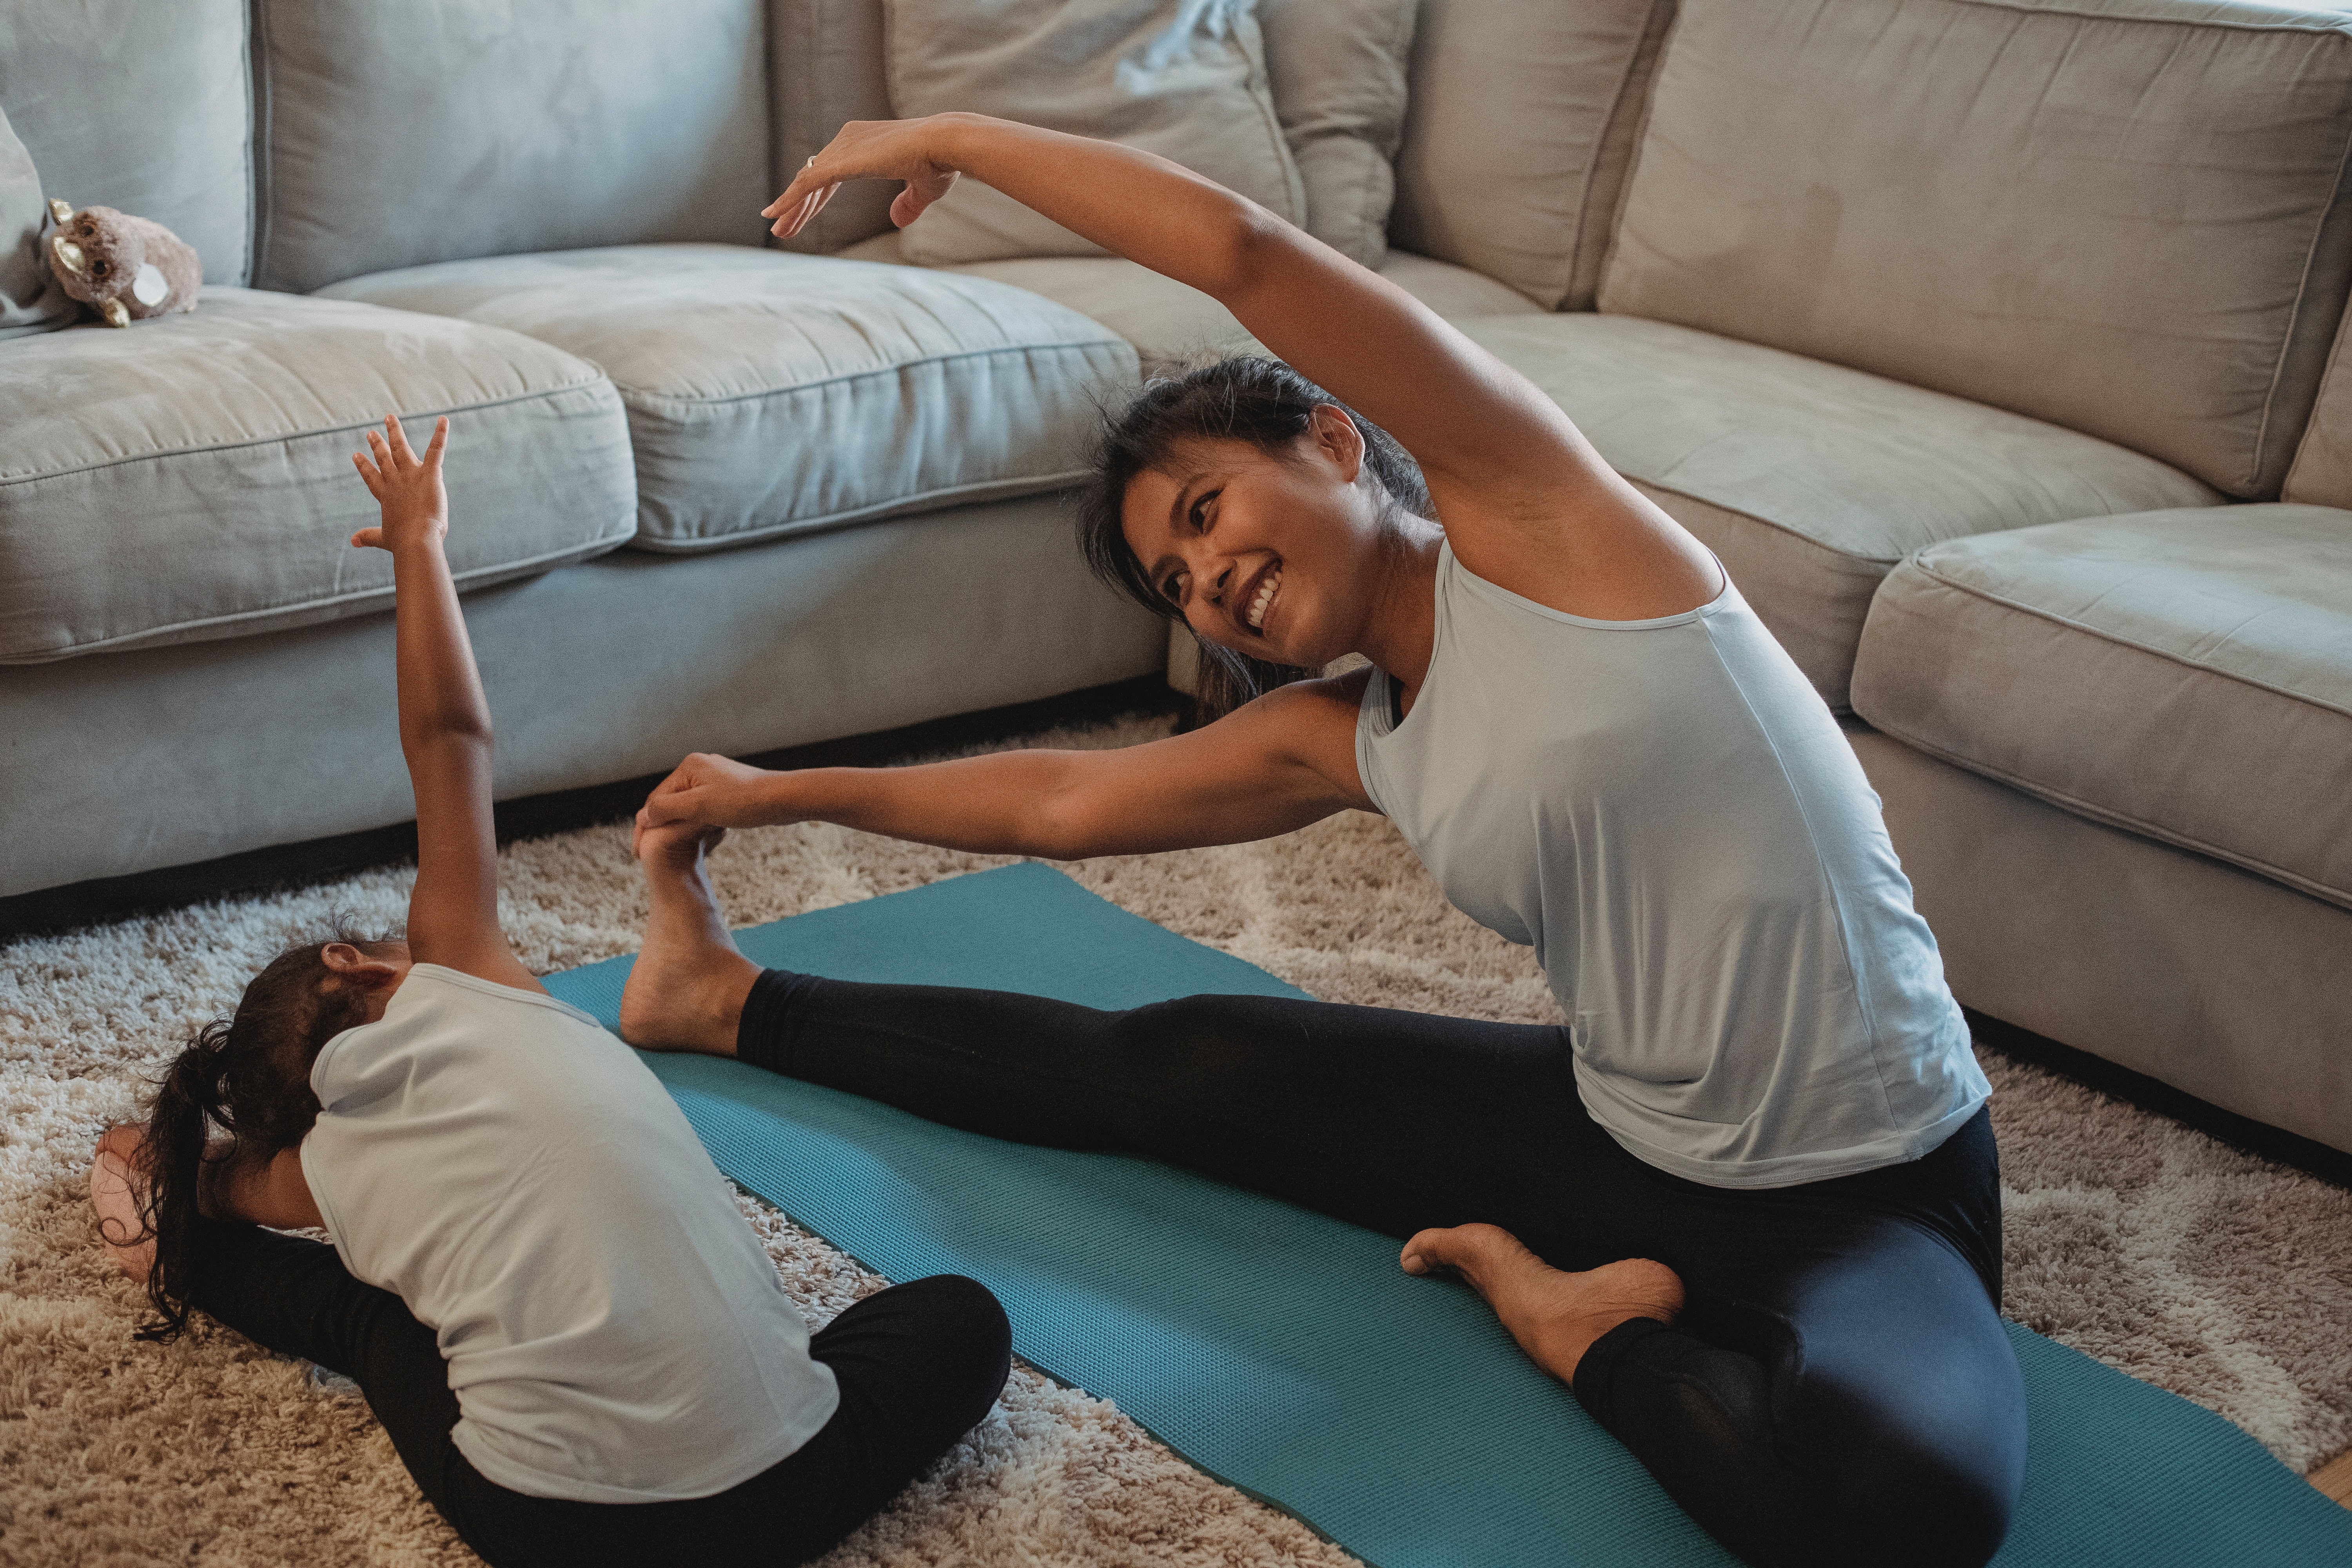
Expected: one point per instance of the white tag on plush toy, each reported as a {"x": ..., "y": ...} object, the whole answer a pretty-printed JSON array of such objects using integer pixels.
[{"x": 148, "y": 287}]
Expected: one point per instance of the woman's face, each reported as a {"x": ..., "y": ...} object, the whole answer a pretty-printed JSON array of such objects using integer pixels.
[{"x": 1270, "y": 555}]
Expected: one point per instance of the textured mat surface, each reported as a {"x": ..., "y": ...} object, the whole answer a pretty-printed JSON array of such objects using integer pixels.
[{"x": 1284, "y": 1352}]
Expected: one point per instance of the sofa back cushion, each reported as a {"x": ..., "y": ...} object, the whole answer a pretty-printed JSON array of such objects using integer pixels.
[
  {"x": 2321, "y": 475},
  {"x": 826, "y": 60},
  {"x": 140, "y": 107},
  {"x": 1518, "y": 128},
  {"x": 2120, "y": 215},
  {"x": 31, "y": 298},
  {"x": 393, "y": 132},
  {"x": 1184, "y": 80}
]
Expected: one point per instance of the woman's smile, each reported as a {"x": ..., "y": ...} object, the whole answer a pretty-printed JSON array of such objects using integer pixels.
[{"x": 1262, "y": 590}]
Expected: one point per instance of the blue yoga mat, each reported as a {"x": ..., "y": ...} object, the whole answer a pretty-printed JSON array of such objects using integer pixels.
[{"x": 1285, "y": 1353}]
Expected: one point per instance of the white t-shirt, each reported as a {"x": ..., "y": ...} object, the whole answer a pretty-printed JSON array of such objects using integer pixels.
[
  {"x": 613, "y": 1331},
  {"x": 1666, "y": 810}
]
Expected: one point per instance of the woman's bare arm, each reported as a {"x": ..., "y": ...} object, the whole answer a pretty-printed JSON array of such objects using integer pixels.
[
  {"x": 445, "y": 720},
  {"x": 1525, "y": 499},
  {"x": 1275, "y": 764}
]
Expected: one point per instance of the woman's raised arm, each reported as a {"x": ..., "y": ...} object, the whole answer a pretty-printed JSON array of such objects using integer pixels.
[{"x": 1524, "y": 498}]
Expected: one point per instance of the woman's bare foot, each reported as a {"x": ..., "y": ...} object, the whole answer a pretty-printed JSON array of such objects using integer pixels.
[
  {"x": 1554, "y": 1315},
  {"x": 117, "y": 1191},
  {"x": 687, "y": 989}
]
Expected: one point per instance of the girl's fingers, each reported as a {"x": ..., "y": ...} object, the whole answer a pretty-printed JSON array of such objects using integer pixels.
[
  {"x": 368, "y": 476},
  {"x": 399, "y": 438},
  {"x": 367, "y": 539},
  {"x": 440, "y": 440}
]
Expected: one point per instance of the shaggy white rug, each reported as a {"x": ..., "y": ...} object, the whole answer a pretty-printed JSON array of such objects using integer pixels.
[{"x": 2139, "y": 1241}]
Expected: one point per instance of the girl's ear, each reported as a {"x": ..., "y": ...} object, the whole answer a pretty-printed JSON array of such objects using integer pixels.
[{"x": 352, "y": 963}]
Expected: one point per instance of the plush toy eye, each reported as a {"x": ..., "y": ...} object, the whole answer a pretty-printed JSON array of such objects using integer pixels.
[
  {"x": 99, "y": 266},
  {"x": 88, "y": 227}
]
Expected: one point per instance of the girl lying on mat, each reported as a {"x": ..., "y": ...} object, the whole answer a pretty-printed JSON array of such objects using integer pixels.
[
  {"x": 1744, "y": 1199},
  {"x": 538, "y": 1278}
]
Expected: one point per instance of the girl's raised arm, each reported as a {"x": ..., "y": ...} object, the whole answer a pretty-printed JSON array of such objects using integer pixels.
[
  {"x": 1524, "y": 498},
  {"x": 445, "y": 721}
]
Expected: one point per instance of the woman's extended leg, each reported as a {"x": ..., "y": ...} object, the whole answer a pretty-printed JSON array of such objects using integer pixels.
[{"x": 1839, "y": 1389}]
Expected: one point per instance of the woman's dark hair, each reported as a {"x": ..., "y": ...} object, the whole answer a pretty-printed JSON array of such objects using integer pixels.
[
  {"x": 248, "y": 1076},
  {"x": 1261, "y": 401}
]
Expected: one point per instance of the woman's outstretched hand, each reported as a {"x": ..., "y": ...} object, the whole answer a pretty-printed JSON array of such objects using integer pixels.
[
  {"x": 408, "y": 488},
  {"x": 706, "y": 791},
  {"x": 868, "y": 150}
]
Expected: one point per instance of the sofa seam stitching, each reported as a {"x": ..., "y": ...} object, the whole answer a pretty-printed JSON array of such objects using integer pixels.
[
  {"x": 2107, "y": 816},
  {"x": 2054, "y": 617},
  {"x": 533, "y": 565},
  {"x": 6, "y": 480},
  {"x": 2202, "y": 23},
  {"x": 1012, "y": 487},
  {"x": 629, "y": 394}
]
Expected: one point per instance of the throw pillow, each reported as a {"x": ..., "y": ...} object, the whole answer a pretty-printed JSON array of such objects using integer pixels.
[
  {"x": 1185, "y": 78},
  {"x": 30, "y": 298},
  {"x": 1337, "y": 68}
]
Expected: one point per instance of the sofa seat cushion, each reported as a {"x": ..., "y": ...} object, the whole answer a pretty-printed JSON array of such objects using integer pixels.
[
  {"x": 771, "y": 394},
  {"x": 191, "y": 477},
  {"x": 1172, "y": 324},
  {"x": 2184, "y": 674},
  {"x": 1807, "y": 480}
]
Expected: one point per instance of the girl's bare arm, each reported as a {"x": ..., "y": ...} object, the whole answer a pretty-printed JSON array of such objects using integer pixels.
[
  {"x": 445, "y": 721},
  {"x": 1275, "y": 765},
  {"x": 1525, "y": 499}
]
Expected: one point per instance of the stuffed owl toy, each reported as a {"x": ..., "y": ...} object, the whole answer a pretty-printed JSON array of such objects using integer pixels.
[{"x": 128, "y": 268}]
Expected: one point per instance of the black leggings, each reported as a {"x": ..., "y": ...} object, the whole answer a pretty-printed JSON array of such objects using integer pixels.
[
  {"x": 918, "y": 1366},
  {"x": 1838, "y": 1388}
]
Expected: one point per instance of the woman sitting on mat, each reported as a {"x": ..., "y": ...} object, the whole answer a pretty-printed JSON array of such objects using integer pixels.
[
  {"x": 1744, "y": 1200},
  {"x": 538, "y": 1278}
]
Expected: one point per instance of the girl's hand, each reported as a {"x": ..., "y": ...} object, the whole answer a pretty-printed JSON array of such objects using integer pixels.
[
  {"x": 408, "y": 488},
  {"x": 868, "y": 150}
]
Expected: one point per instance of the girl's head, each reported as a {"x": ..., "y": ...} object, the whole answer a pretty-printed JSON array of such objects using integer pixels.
[
  {"x": 248, "y": 1076},
  {"x": 1245, "y": 502}
]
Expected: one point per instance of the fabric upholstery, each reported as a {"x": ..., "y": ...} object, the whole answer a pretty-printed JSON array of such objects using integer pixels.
[
  {"x": 825, "y": 65},
  {"x": 190, "y": 477},
  {"x": 31, "y": 299},
  {"x": 1517, "y": 134},
  {"x": 1171, "y": 324},
  {"x": 2322, "y": 474},
  {"x": 2124, "y": 218},
  {"x": 2187, "y": 675},
  {"x": 1336, "y": 70},
  {"x": 1810, "y": 480},
  {"x": 395, "y": 132},
  {"x": 168, "y": 84},
  {"x": 2216, "y": 981},
  {"x": 606, "y": 670},
  {"x": 1185, "y": 80},
  {"x": 773, "y": 394}
]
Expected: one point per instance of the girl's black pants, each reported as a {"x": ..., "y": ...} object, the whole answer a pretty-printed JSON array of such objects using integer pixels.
[
  {"x": 1838, "y": 1388},
  {"x": 918, "y": 1366}
]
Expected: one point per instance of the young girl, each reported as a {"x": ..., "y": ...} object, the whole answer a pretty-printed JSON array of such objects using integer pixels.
[
  {"x": 1744, "y": 1200},
  {"x": 538, "y": 1278}
]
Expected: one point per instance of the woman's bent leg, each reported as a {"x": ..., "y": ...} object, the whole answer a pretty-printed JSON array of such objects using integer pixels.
[{"x": 1863, "y": 1407}]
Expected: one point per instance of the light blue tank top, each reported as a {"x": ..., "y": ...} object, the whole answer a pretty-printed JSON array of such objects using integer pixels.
[{"x": 1666, "y": 810}]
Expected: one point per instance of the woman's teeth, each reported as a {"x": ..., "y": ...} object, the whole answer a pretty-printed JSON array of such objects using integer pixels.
[{"x": 1264, "y": 596}]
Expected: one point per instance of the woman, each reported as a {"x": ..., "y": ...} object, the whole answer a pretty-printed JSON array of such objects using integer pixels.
[
  {"x": 1745, "y": 1201},
  {"x": 537, "y": 1278}
]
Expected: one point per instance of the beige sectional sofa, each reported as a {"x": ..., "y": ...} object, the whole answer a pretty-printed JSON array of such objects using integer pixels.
[{"x": 1987, "y": 342}]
